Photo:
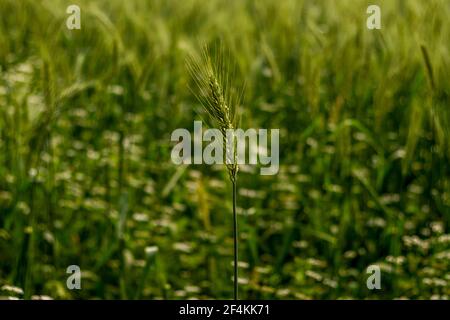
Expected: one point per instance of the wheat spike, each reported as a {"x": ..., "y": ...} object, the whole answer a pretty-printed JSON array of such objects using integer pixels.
[{"x": 217, "y": 99}]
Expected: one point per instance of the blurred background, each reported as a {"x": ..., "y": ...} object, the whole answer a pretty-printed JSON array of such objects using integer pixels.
[{"x": 85, "y": 171}]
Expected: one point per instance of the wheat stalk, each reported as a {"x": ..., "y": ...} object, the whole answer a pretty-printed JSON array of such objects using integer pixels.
[{"x": 219, "y": 100}]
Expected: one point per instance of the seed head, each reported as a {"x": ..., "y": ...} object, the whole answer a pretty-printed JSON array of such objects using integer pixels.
[{"x": 215, "y": 93}]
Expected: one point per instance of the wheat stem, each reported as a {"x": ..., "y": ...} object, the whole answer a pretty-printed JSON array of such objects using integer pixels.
[
  {"x": 216, "y": 96},
  {"x": 235, "y": 236}
]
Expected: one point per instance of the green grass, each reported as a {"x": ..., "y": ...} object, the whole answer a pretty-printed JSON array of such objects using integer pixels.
[{"x": 86, "y": 176}]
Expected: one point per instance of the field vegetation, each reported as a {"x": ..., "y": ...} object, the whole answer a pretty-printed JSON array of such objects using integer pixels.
[{"x": 86, "y": 176}]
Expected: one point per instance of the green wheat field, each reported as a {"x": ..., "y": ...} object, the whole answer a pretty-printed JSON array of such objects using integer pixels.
[{"x": 86, "y": 176}]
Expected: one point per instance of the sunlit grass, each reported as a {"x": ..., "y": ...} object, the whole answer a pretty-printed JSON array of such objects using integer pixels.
[{"x": 86, "y": 176}]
